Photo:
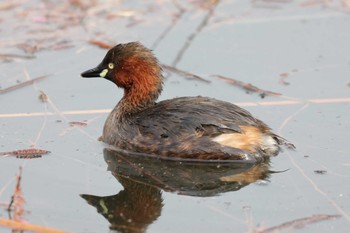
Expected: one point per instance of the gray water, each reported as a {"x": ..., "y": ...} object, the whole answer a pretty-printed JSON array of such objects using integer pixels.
[{"x": 251, "y": 41}]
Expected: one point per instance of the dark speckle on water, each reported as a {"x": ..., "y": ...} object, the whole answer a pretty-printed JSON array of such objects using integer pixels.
[{"x": 320, "y": 172}]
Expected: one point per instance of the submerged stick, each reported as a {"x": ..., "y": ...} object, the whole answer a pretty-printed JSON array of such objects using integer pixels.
[{"x": 171, "y": 26}]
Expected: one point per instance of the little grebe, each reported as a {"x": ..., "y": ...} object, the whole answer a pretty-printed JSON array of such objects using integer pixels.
[{"x": 185, "y": 127}]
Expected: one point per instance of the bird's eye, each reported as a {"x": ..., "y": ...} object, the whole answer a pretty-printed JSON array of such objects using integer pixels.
[{"x": 110, "y": 65}]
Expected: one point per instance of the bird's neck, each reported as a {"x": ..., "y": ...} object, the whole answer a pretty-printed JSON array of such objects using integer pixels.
[{"x": 140, "y": 95}]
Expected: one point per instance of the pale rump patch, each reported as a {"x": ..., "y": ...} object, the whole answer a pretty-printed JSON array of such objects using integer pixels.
[{"x": 251, "y": 139}]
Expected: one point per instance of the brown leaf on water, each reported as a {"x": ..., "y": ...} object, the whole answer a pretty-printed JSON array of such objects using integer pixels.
[
  {"x": 27, "y": 153},
  {"x": 101, "y": 44}
]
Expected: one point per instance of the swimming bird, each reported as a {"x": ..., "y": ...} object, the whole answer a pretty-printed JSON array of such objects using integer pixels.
[{"x": 199, "y": 128}]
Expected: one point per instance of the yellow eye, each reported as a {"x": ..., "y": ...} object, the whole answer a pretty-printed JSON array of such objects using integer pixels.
[{"x": 110, "y": 65}]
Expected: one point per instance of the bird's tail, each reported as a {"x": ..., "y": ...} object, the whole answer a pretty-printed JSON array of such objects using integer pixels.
[{"x": 283, "y": 142}]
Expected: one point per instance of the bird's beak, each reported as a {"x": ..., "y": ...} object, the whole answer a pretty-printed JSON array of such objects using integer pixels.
[{"x": 95, "y": 72}]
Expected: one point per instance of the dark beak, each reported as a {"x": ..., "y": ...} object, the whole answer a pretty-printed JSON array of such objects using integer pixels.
[{"x": 92, "y": 73}]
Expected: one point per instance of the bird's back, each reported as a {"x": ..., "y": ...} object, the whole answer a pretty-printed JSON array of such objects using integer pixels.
[{"x": 195, "y": 127}]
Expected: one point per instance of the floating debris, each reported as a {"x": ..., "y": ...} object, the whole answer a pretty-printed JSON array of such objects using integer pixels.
[
  {"x": 77, "y": 123},
  {"x": 320, "y": 172},
  {"x": 43, "y": 97},
  {"x": 248, "y": 86},
  {"x": 283, "y": 77},
  {"x": 27, "y": 153}
]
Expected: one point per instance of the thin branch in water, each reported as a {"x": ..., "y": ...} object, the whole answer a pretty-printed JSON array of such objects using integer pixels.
[
  {"x": 175, "y": 20},
  {"x": 247, "y": 86},
  {"x": 297, "y": 223},
  {"x": 193, "y": 35},
  {"x": 184, "y": 73},
  {"x": 23, "y": 84}
]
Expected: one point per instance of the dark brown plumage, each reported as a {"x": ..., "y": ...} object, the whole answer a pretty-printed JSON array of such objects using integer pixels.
[{"x": 185, "y": 127}]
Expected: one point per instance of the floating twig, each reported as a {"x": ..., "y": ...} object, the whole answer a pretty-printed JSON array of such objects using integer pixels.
[
  {"x": 247, "y": 86},
  {"x": 23, "y": 84},
  {"x": 184, "y": 73},
  {"x": 297, "y": 223}
]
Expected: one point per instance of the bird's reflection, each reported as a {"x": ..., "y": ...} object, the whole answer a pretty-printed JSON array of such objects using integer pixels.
[
  {"x": 143, "y": 177},
  {"x": 132, "y": 209}
]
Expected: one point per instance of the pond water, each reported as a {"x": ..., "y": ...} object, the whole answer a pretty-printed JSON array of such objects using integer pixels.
[{"x": 299, "y": 49}]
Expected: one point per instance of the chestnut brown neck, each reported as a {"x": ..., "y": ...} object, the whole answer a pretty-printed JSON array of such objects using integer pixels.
[{"x": 141, "y": 80}]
